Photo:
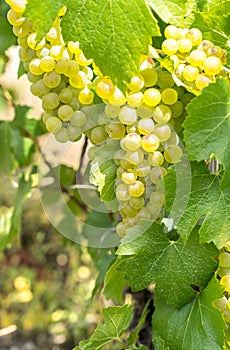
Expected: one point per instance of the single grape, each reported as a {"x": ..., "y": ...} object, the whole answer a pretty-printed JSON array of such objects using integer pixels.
[
  {"x": 112, "y": 111},
  {"x": 117, "y": 98},
  {"x": 150, "y": 143},
  {"x": 135, "y": 99},
  {"x": 136, "y": 189},
  {"x": 132, "y": 142},
  {"x": 215, "y": 51},
  {"x": 86, "y": 96},
  {"x": 115, "y": 131},
  {"x": 78, "y": 118},
  {"x": 52, "y": 79},
  {"x": 39, "y": 88},
  {"x": 61, "y": 66},
  {"x": 150, "y": 76},
  {"x": 122, "y": 192},
  {"x": 169, "y": 96},
  {"x": 143, "y": 169},
  {"x": 162, "y": 132},
  {"x": 212, "y": 65},
  {"x": 135, "y": 157},
  {"x": 195, "y": 36},
  {"x": 205, "y": 45},
  {"x": 145, "y": 126},
  {"x": 128, "y": 115},
  {"x": 136, "y": 83},
  {"x": 196, "y": 58},
  {"x": 184, "y": 45},
  {"x": 104, "y": 88},
  {"x": 171, "y": 32},
  {"x": 173, "y": 154},
  {"x": 72, "y": 68},
  {"x": 202, "y": 81},
  {"x": 152, "y": 97},
  {"x": 220, "y": 303},
  {"x": 157, "y": 199},
  {"x": 50, "y": 100},
  {"x": 65, "y": 112},
  {"x": 157, "y": 173},
  {"x": 34, "y": 67},
  {"x": 177, "y": 109},
  {"x": 98, "y": 135},
  {"x": 224, "y": 259},
  {"x": 121, "y": 229},
  {"x": 74, "y": 132},
  {"x": 79, "y": 80},
  {"x": 137, "y": 202},
  {"x": 156, "y": 158},
  {"x": 170, "y": 46},
  {"x": 145, "y": 112},
  {"x": 128, "y": 177},
  {"x": 165, "y": 79},
  {"x": 47, "y": 64},
  {"x": 162, "y": 114},
  {"x": 190, "y": 73},
  {"x": 226, "y": 315},
  {"x": 225, "y": 281},
  {"x": 53, "y": 125},
  {"x": 56, "y": 51},
  {"x": 62, "y": 136}
]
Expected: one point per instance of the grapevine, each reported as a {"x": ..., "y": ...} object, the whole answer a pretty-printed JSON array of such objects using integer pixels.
[{"x": 142, "y": 119}]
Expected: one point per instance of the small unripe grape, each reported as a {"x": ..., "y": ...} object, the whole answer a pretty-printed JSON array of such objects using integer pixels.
[
  {"x": 65, "y": 112},
  {"x": 177, "y": 109},
  {"x": 171, "y": 32},
  {"x": 150, "y": 76},
  {"x": 98, "y": 135},
  {"x": 122, "y": 192},
  {"x": 165, "y": 79},
  {"x": 169, "y": 96},
  {"x": 173, "y": 154},
  {"x": 170, "y": 46},
  {"x": 184, "y": 45},
  {"x": 116, "y": 131},
  {"x": 156, "y": 158},
  {"x": 212, "y": 65},
  {"x": 150, "y": 143},
  {"x": 136, "y": 189},
  {"x": 145, "y": 126},
  {"x": 128, "y": 115},
  {"x": 132, "y": 142},
  {"x": 152, "y": 97},
  {"x": 195, "y": 36},
  {"x": 53, "y": 125}
]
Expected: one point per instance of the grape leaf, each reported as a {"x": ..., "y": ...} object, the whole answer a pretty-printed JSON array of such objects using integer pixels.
[
  {"x": 117, "y": 320},
  {"x": 114, "y": 283},
  {"x": 173, "y": 266},
  {"x": 172, "y": 12},
  {"x": 6, "y": 153},
  {"x": 207, "y": 126},
  {"x": 7, "y": 38},
  {"x": 195, "y": 326},
  {"x": 206, "y": 199},
  {"x": 5, "y": 224},
  {"x": 114, "y": 33}
]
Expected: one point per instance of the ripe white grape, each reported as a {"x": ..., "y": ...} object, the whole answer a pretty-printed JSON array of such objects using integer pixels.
[
  {"x": 184, "y": 45},
  {"x": 165, "y": 79},
  {"x": 122, "y": 192},
  {"x": 136, "y": 83},
  {"x": 202, "y": 81},
  {"x": 195, "y": 36},
  {"x": 135, "y": 99},
  {"x": 190, "y": 73},
  {"x": 196, "y": 58},
  {"x": 143, "y": 169},
  {"x": 150, "y": 143},
  {"x": 65, "y": 95},
  {"x": 116, "y": 131},
  {"x": 157, "y": 173},
  {"x": 162, "y": 132},
  {"x": 137, "y": 202},
  {"x": 156, "y": 158},
  {"x": 128, "y": 115},
  {"x": 224, "y": 259},
  {"x": 112, "y": 111},
  {"x": 169, "y": 96},
  {"x": 212, "y": 65},
  {"x": 152, "y": 97},
  {"x": 104, "y": 88},
  {"x": 150, "y": 76},
  {"x": 47, "y": 64},
  {"x": 145, "y": 126},
  {"x": 52, "y": 79},
  {"x": 157, "y": 199},
  {"x": 171, "y": 32},
  {"x": 132, "y": 142},
  {"x": 128, "y": 177},
  {"x": 136, "y": 189},
  {"x": 135, "y": 157},
  {"x": 162, "y": 114},
  {"x": 173, "y": 154},
  {"x": 170, "y": 46},
  {"x": 62, "y": 136}
]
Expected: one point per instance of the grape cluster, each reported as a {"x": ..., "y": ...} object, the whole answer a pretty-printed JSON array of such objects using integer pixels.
[
  {"x": 142, "y": 121},
  {"x": 197, "y": 62},
  {"x": 223, "y": 304},
  {"x": 59, "y": 73}
]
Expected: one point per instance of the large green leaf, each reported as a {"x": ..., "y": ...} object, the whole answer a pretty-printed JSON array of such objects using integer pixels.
[
  {"x": 114, "y": 33},
  {"x": 207, "y": 126},
  {"x": 173, "y": 266},
  {"x": 117, "y": 320},
  {"x": 206, "y": 201},
  {"x": 6, "y": 152},
  {"x": 114, "y": 283},
  {"x": 172, "y": 12},
  {"x": 195, "y": 326},
  {"x": 7, "y": 38}
]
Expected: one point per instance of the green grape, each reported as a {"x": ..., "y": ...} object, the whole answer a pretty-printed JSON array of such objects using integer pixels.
[
  {"x": 65, "y": 95},
  {"x": 190, "y": 73},
  {"x": 39, "y": 88},
  {"x": 128, "y": 211},
  {"x": 135, "y": 99},
  {"x": 162, "y": 132},
  {"x": 220, "y": 303},
  {"x": 177, "y": 109},
  {"x": 23, "y": 54},
  {"x": 61, "y": 66},
  {"x": 121, "y": 229},
  {"x": 212, "y": 65},
  {"x": 226, "y": 315},
  {"x": 143, "y": 169},
  {"x": 171, "y": 32},
  {"x": 52, "y": 79},
  {"x": 225, "y": 281},
  {"x": 119, "y": 155},
  {"x": 145, "y": 112},
  {"x": 78, "y": 118},
  {"x": 137, "y": 202},
  {"x": 62, "y": 136},
  {"x": 34, "y": 67},
  {"x": 150, "y": 76},
  {"x": 135, "y": 157},
  {"x": 136, "y": 189},
  {"x": 196, "y": 58},
  {"x": 169, "y": 96},
  {"x": 116, "y": 131},
  {"x": 156, "y": 158},
  {"x": 47, "y": 64},
  {"x": 144, "y": 214},
  {"x": 162, "y": 114},
  {"x": 165, "y": 79},
  {"x": 153, "y": 210},
  {"x": 184, "y": 45},
  {"x": 145, "y": 126},
  {"x": 104, "y": 88},
  {"x": 33, "y": 78},
  {"x": 170, "y": 46},
  {"x": 223, "y": 271},
  {"x": 112, "y": 111},
  {"x": 86, "y": 96},
  {"x": 132, "y": 142},
  {"x": 173, "y": 154},
  {"x": 150, "y": 143},
  {"x": 50, "y": 100},
  {"x": 72, "y": 68},
  {"x": 215, "y": 51},
  {"x": 152, "y": 97},
  {"x": 92, "y": 152},
  {"x": 128, "y": 177},
  {"x": 53, "y": 124},
  {"x": 98, "y": 135},
  {"x": 136, "y": 83},
  {"x": 65, "y": 112},
  {"x": 128, "y": 115},
  {"x": 157, "y": 199},
  {"x": 122, "y": 192},
  {"x": 14, "y": 18},
  {"x": 56, "y": 51},
  {"x": 74, "y": 103},
  {"x": 224, "y": 259},
  {"x": 157, "y": 173},
  {"x": 202, "y": 81},
  {"x": 195, "y": 36},
  {"x": 117, "y": 98},
  {"x": 78, "y": 81},
  {"x": 74, "y": 132}
]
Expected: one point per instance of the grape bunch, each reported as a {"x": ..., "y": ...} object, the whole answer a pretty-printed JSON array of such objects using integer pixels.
[
  {"x": 59, "y": 73},
  {"x": 197, "y": 62},
  {"x": 223, "y": 304},
  {"x": 142, "y": 122}
]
